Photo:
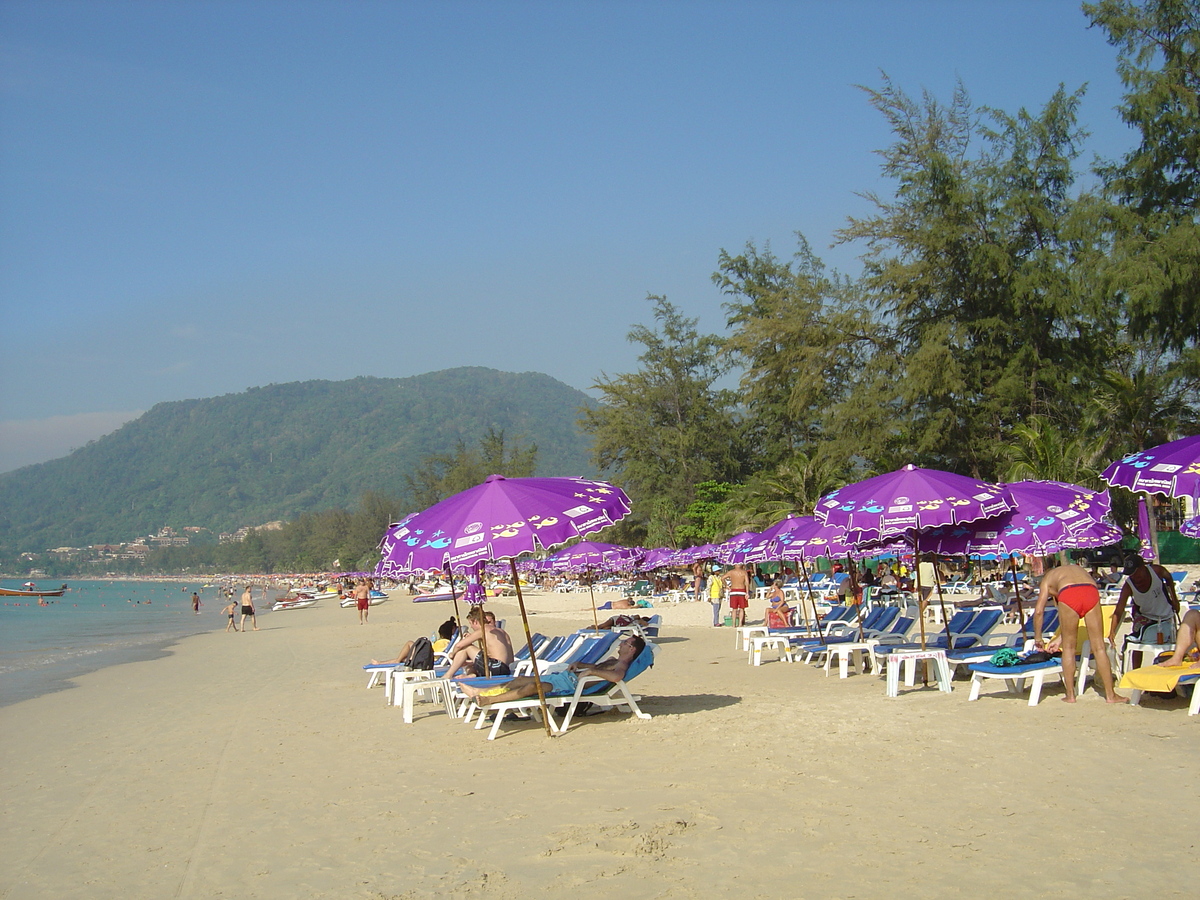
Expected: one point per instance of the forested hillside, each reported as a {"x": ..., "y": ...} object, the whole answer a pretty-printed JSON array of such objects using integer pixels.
[{"x": 278, "y": 451}]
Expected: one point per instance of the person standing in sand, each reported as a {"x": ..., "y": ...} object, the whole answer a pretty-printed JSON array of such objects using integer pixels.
[
  {"x": 248, "y": 609},
  {"x": 716, "y": 588},
  {"x": 362, "y": 599},
  {"x": 229, "y": 611},
  {"x": 739, "y": 594},
  {"x": 1078, "y": 597}
]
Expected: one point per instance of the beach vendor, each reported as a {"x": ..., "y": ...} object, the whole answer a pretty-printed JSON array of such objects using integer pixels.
[
  {"x": 1078, "y": 597},
  {"x": 716, "y": 588},
  {"x": 560, "y": 683},
  {"x": 1151, "y": 590}
]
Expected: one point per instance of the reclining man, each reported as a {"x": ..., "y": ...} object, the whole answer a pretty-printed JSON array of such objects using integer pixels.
[
  {"x": 468, "y": 649},
  {"x": 618, "y": 622},
  {"x": 560, "y": 683}
]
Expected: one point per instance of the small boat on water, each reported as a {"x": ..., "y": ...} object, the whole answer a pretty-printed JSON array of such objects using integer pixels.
[{"x": 31, "y": 592}]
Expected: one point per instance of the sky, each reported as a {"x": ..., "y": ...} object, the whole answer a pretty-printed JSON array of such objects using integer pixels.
[{"x": 201, "y": 197}]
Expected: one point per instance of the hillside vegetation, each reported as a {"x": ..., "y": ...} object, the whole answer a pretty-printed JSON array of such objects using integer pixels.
[{"x": 278, "y": 451}]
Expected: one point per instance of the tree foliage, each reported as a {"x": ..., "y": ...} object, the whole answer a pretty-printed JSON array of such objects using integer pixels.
[
  {"x": 665, "y": 428},
  {"x": 1156, "y": 186}
]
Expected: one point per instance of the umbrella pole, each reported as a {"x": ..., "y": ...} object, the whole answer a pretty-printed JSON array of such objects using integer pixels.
[
  {"x": 1017, "y": 594},
  {"x": 808, "y": 597},
  {"x": 454, "y": 596},
  {"x": 592, "y": 594},
  {"x": 816, "y": 620},
  {"x": 942, "y": 604},
  {"x": 920, "y": 596},
  {"x": 854, "y": 595},
  {"x": 541, "y": 691}
]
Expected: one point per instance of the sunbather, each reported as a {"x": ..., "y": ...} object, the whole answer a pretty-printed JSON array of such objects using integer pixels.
[
  {"x": 490, "y": 636},
  {"x": 779, "y": 614},
  {"x": 445, "y": 633},
  {"x": 618, "y": 622},
  {"x": 1189, "y": 639},
  {"x": 560, "y": 683},
  {"x": 1078, "y": 597}
]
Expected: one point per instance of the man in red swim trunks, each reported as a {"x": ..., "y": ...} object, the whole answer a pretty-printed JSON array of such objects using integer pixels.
[
  {"x": 739, "y": 594},
  {"x": 1078, "y": 597}
]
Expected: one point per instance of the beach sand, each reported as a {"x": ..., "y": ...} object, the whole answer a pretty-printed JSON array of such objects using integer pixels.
[{"x": 257, "y": 766}]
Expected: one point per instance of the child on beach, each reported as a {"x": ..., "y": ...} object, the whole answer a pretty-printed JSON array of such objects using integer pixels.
[{"x": 228, "y": 610}]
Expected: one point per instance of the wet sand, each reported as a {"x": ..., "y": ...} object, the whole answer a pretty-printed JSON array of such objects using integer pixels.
[{"x": 257, "y": 766}]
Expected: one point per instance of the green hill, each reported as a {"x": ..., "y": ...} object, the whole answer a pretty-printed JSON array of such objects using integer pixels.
[{"x": 274, "y": 452}]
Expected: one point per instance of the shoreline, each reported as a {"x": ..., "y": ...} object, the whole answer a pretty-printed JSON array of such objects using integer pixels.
[{"x": 258, "y": 766}]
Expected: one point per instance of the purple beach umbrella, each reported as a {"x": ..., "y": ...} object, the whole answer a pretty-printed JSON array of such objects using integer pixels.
[
  {"x": 909, "y": 501},
  {"x": 502, "y": 518},
  {"x": 1191, "y": 528},
  {"x": 1172, "y": 469}
]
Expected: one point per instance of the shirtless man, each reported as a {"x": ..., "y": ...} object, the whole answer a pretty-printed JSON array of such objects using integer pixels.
[
  {"x": 248, "y": 609},
  {"x": 1189, "y": 637},
  {"x": 739, "y": 594},
  {"x": 618, "y": 622},
  {"x": 495, "y": 639},
  {"x": 560, "y": 683},
  {"x": 1078, "y": 597},
  {"x": 362, "y": 599}
]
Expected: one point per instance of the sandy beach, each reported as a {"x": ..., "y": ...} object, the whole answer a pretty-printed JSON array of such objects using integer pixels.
[{"x": 257, "y": 766}]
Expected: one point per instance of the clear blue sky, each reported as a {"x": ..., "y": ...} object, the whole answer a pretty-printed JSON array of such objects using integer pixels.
[{"x": 200, "y": 197}]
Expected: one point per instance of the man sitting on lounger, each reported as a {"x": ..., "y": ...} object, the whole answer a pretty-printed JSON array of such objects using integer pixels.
[
  {"x": 560, "y": 683},
  {"x": 491, "y": 637},
  {"x": 1078, "y": 597}
]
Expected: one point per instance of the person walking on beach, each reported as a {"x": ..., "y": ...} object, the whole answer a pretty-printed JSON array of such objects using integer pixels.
[
  {"x": 248, "y": 609},
  {"x": 739, "y": 594},
  {"x": 1078, "y": 597},
  {"x": 195, "y": 603},
  {"x": 230, "y": 610},
  {"x": 362, "y": 599}
]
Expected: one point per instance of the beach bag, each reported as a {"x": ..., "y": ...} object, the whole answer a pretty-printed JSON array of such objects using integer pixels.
[{"x": 421, "y": 656}]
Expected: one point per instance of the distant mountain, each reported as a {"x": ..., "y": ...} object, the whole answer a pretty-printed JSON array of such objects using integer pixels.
[{"x": 277, "y": 451}]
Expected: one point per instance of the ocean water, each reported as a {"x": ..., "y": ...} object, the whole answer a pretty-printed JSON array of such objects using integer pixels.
[{"x": 97, "y": 624}]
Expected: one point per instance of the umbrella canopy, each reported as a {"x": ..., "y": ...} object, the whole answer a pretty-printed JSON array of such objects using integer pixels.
[
  {"x": 910, "y": 500},
  {"x": 766, "y": 548},
  {"x": 1050, "y": 516},
  {"x": 657, "y": 558},
  {"x": 500, "y": 519},
  {"x": 1191, "y": 528},
  {"x": 1172, "y": 469},
  {"x": 592, "y": 555},
  {"x": 732, "y": 552}
]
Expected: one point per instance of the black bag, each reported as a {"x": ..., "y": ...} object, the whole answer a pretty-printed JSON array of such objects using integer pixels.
[{"x": 421, "y": 656}]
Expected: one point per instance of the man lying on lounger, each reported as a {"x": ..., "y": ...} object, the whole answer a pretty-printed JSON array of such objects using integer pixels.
[
  {"x": 561, "y": 683},
  {"x": 618, "y": 622}
]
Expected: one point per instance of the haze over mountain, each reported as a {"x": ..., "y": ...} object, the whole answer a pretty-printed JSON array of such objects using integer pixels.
[{"x": 274, "y": 452}]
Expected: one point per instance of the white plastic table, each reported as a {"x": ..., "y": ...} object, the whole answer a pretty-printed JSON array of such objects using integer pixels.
[{"x": 909, "y": 659}]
